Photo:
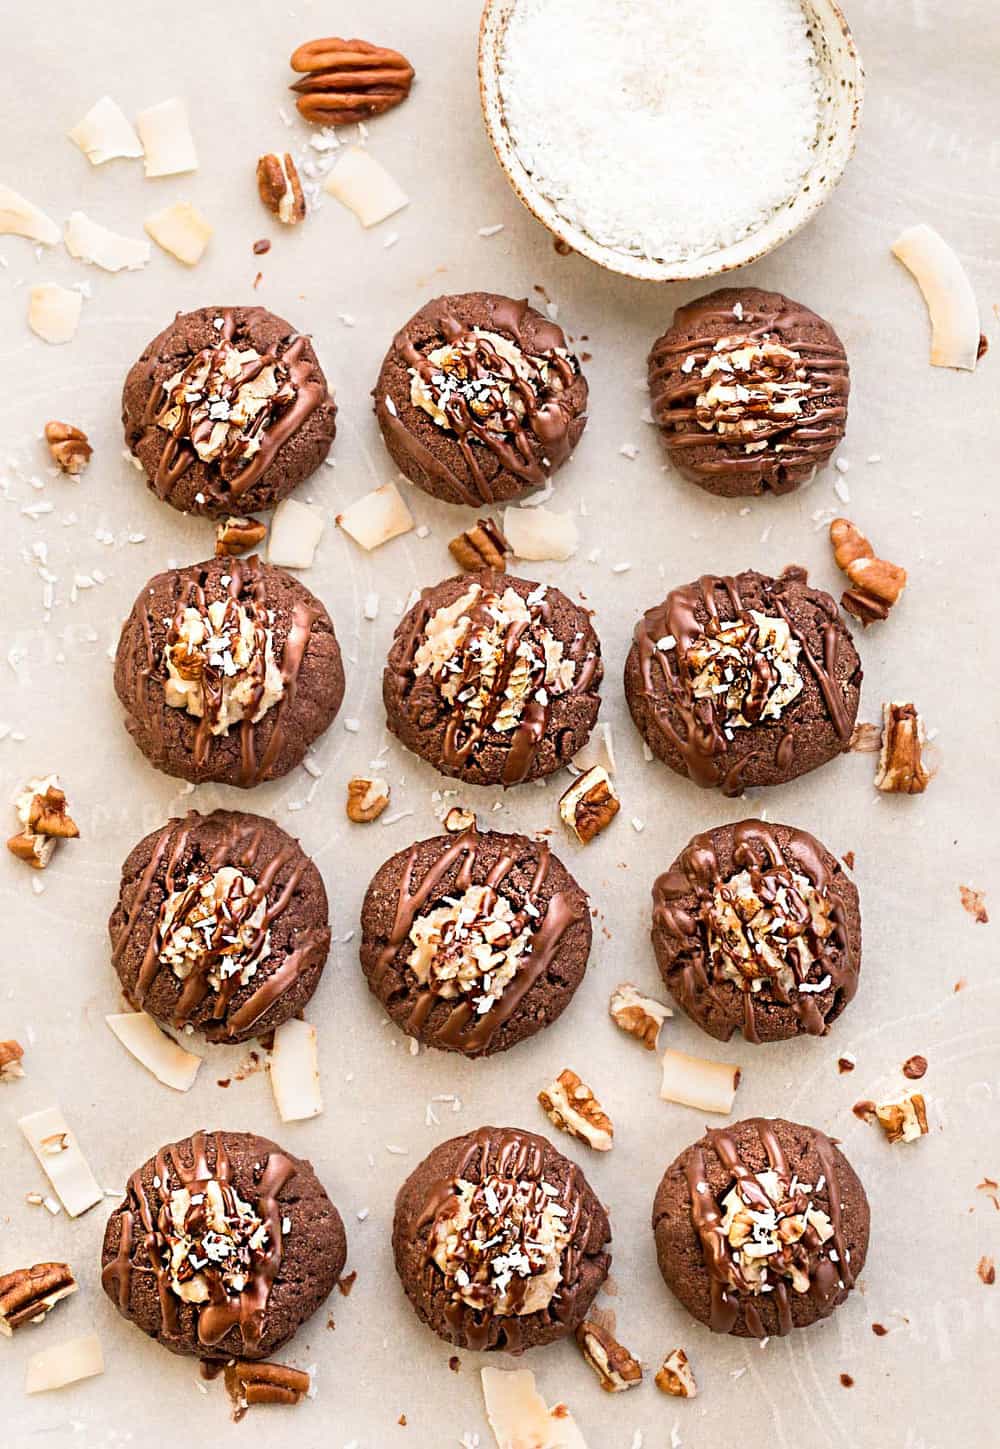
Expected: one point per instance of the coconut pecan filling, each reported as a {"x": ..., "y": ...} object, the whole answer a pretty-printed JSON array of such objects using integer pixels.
[
  {"x": 747, "y": 668},
  {"x": 215, "y": 1240},
  {"x": 216, "y": 924},
  {"x": 754, "y": 390},
  {"x": 222, "y": 402},
  {"x": 767, "y": 927},
  {"x": 488, "y": 380},
  {"x": 773, "y": 1232},
  {"x": 471, "y": 945},
  {"x": 220, "y": 663}
]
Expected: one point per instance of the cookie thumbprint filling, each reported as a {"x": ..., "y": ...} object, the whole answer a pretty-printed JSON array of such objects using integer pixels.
[
  {"x": 773, "y": 1232},
  {"x": 222, "y": 403},
  {"x": 471, "y": 945},
  {"x": 752, "y": 390},
  {"x": 216, "y": 1242},
  {"x": 746, "y": 669},
  {"x": 215, "y": 927},
  {"x": 499, "y": 1244},
  {"x": 766, "y": 927},
  {"x": 220, "y": 663}
]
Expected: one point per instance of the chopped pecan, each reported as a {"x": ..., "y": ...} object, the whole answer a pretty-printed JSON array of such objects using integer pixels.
[
  {"x": 571, "y": 1105},
  {"x": 901, "y": 767},
  {"x": 235, "y": 535},
  {"x": 69, "y": 446},
  {"x": 902, "y": 1120},
  {"x": 877, "y": 583},
  {"x": 47, "y": 815},
  {"x": 27, "y": 1294},
  {"x": 280, "y": 188},
  {"x": 11, "y": 1056},
  {"x": 348, "y": 80},
  {"x": 366, "y": 799},
  {"x": 974, "y": 902},
  {"x": 590, "y": 804},
  {"x": 614, "y": 1366},
  {"x": 459, "y": 818},
  {"x": 987, "y": 1271},
  {"x": 41, "y": 809},
  {"x": 639, "y": 1015},
  {"x": 915, "y": 1067},
  {"x": 250, "y": 1384},
  {"x": 675, "y": 1376},
  {"x": 481, "y": 547}
]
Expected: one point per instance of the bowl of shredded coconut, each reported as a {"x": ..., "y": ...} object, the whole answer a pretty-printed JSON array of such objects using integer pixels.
[{"x": 668, "y": 141}]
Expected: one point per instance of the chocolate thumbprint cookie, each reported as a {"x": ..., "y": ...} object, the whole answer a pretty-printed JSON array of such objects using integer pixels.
[
  {"x": 744, "y": 680},
  {"x": 480, "y": 399},
  {"x": 474, "y": 942},
  {"x": 227, "y": 410},
  {"x": 493, "y": 679},
  {"x": 500, "y": 1241},
  {"x": 761, "y": 1227},
  {"x": 749, "y": 391},
  {"x": 228, "y": 670},
  {"x": 757, "y": 928},
  {"x": 221, "y": 925},
  {"x": 223, "y": 1246}
]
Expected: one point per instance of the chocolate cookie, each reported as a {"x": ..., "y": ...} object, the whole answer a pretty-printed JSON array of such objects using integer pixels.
[
  {"x": 493, "y": 679},
  {"x": 761, "y": 1227},
  {"x": 228, "y": 670},
  {"x": 474, "y": 942},
  {"x": 744, "y": 681},
  {"x": 750, "y": 391},
  {"x": 223, "y": 1246},
  {"x": 757, "y": 927},
  {"x": 227, "y": 410},
  {"x": 479, "y": 399},
  {"x": 500, "y": 1241},
  {"x": 221, "y": 925}
]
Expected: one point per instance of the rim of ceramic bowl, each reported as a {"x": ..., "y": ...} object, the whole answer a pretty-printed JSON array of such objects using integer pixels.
[{"x": 843, "y": 97}]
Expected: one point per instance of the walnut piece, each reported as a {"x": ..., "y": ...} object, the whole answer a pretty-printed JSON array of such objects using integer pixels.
[
  {"x": 280, "y": 188},
  {"x": 236, "y": 535},
  {"x": 902, "y": 1120},
  {"x": 69, "y": 447},
  {"x": 590, "y": 804},
  {"x": 639, "y": 1015},
  {"x": 481, "y": 547},
  {"x": 675, "y": 1376},
  {"x": 614, "y": 1366},
  {"x": 877, "y": 583},
  {"x": 571, "y": 1105},
  {"x": 366, "y": 799},
  {"x": 45, "y": 820},
  {"x": 27, "y": 1294},
  {"x": 901, "y": 767},
  {"x": 250, "y": 1384},
  {"x": 348, "y": 80},
  {"x": 11, "y": 1056}
]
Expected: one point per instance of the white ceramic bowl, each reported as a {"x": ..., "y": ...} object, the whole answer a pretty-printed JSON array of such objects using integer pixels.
[{"x": 843, "y": 89}]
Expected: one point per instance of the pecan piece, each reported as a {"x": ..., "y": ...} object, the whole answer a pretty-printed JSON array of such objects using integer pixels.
[
  {"x": 280, "y": 188},
  {"x": 590, "y": 804},
  {"x": 902, "y": 1120},
  {"x": 69, "y": 447},
  {"x": 481, "y": 547},
  {"x": 348, "y": 80},
  {"x": 614, "y": 1366},
  {"x": 366, "y": 799},
  {"x": 27, "y": 1294},
  {"x": 901, "y": 767},
  {"x": 41, "y": 809},
  {"x": 675, "y": 1376},
  {"x": 264, "y": 1383},
  {"x": 11, "y": 1056},
  {"x": 639, "y": 1015},
  {"x": 459, "y": 818},
  {"x": 235, "y": 535},
  {"x": 877, "y": 583},
  {"x": 571, "y": 1105}
]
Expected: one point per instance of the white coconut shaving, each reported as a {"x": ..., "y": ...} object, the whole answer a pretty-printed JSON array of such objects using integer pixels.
[{"x": 662, "y": 131}]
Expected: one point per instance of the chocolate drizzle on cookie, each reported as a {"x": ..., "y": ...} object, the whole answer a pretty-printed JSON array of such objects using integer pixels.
[
  {"x": 476, "y": 1016},
  {"x": 818, "y": 1262},
  {"x": 149, "y": 1234},
  {"x": 521, "y": 414},
  {"x": 787, "y": 941}
]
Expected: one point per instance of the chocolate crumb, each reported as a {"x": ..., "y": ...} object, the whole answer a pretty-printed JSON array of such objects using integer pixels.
[
  {"x": 879, "y": 1330},
  {"x": 974, "y": 902},
  {"x": 987, "y": 1270},
  {"x": 848, "y": 859},
  {"x": 844, "y": 1064},
  {"x": 224, "y": 1082},
  {"x": 454, "y": 1363},
  {"x": 984, "y": 346},
  {"x": 847, "y": 1381},
  {"x": 565, "y": 250},
  {"x": 347, "y": 1282},
  {"x": 914, "y": 1067},
  {"x": 261, "y": 246}
]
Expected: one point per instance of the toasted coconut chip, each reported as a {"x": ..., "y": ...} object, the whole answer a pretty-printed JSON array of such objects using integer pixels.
[
  {"x": 21, "y": 217},
  {"x": 50, "y": 1139},
  {"x": 296, "y": 530},
  {"x": 295, "y": 1071},
  {"x": 948, "y": 293},
  {"x": 105, "y": 133},
  {"x": 180, "y": 230},
  {"x": 697, "y": 1082},
  {"x": 518, "y": 1417},
  {"x": 166, "y": 137},
  {"x": 599, "y": 751},
  {"x": 376, "y": 518},
  {"x": 365, "y": 187},
  {"x": 158, "y": 1053},
  {"x": 539, "y": 533},
  {"x": 64, "y": 1363},
  {"x": 88, "y": 241},
  {"x": 54, "y": 312}
]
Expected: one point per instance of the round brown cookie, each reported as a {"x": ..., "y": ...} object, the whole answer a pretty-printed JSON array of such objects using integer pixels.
[
  {"x": 479, "y": 399},
  {"x": 227, "y": 410},
  {"x": 205, "y": 643},
  {"x": 277, "y": 1246},
  {"x": 810, "y": 1215},
  {"x": 546, "y": 1240},
  {"x": 221, "y": 925},
  {"x": 474, "y": 942},
  {"x": 757, "y": 928},
  {"x": 749, "y": 390},
  {"x": 493, "y": 679},
  {"x": 745, "y": 680}
]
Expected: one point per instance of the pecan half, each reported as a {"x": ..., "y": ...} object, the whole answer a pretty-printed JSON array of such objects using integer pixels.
[
  {"x": 571, "y": 1105},
  {"x": 27, "y": 1294},
  {"x": 280, "y": 188},
  {"x": 877, "y": 583},
  {"x": 481, "y": 547},
  {"x": 614, "y": 1366},
  {"x": 366, "y": 799},
  {"x": 69, "y": 446},
  {"x": 901, "y": 767},
  {"x": 236, "y": 535},
  {"x": 250, "y": 1384},
  {"x": 348, "y": 80}
]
